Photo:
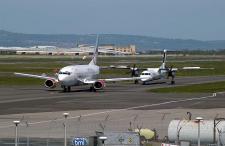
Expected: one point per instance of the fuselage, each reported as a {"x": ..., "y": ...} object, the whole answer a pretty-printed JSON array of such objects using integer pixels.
[
  {"x": 72, "y": 75},
  {"x": 152, "y": 74}
]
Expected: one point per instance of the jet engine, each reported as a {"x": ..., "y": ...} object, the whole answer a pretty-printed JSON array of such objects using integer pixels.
[
  {"x": 50, "y": 83},
  {"x": 99, "y": 85}
]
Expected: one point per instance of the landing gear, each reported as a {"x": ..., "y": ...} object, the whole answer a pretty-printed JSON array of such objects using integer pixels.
[
  {"x": 143, "y": 83},
  {"x": 92, "y": 89},
  {"x": 66, "y": 88},
  {"x": 135, "y": 81},
  {"x": 172, "y": 81}
]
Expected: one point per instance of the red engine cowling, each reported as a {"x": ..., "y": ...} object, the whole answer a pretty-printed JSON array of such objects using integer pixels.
[
  {"x": 99, "y": 85},
  {"x": 50, "y": 83}
]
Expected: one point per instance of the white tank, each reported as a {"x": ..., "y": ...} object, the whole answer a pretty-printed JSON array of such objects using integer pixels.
[
  {"x": 222, "y": 137},
  {"x": 185, "y": 130}
]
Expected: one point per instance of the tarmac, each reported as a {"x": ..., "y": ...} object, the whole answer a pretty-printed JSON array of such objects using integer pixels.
[
  {"x": 15, "y": 100},
  {"x": 116, "y": 108}
]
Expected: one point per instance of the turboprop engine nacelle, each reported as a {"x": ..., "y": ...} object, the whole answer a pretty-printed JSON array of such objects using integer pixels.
[
  {"x": 50, "y": 83},
  {"x": 99, "y": 84}
]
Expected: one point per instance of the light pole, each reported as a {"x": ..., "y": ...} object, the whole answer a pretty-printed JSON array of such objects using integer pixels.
[
  {"x": 199, "y": 119},
  {"x": 65, "y": 137},
  {"x": 16, "y": 132}
]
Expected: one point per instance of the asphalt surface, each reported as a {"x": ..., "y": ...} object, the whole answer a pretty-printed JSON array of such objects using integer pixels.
[{"x": 15, "y": 100}]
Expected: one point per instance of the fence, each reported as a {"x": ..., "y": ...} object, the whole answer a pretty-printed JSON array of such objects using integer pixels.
[{"x": 48, "y": 128}]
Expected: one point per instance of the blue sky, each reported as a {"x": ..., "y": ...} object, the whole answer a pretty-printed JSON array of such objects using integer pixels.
[{"x": 187, "y": 19}]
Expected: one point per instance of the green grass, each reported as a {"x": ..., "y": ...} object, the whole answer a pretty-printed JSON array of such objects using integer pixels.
[
  {"x": 47, "y": 64},
  {"x": 12, "y": 81},
  {"x": 30, "y": 67},
  {"x": 195, "y": 88}
]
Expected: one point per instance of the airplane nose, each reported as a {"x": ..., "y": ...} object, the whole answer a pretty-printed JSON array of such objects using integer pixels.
[
  {"x": 145, "y": 78},
  {"x": 61, "y": 78}
]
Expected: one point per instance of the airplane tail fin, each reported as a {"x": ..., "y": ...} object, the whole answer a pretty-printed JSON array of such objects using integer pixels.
[
  {"x": 163, "y": 66},
  {"x": 95, "y": 53}
]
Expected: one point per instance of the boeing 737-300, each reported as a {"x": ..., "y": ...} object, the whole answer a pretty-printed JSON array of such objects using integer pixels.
[{"x": 75, "y": 75}]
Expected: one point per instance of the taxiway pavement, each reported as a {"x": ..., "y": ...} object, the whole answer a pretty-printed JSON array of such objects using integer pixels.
[{"x": 14, "y": 100}]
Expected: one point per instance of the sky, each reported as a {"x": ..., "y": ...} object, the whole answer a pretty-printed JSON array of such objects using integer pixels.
[{"x": 185, "y": 19}]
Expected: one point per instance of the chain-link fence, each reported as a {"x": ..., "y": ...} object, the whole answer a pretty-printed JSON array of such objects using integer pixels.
[{"x": 48, "y": 128}]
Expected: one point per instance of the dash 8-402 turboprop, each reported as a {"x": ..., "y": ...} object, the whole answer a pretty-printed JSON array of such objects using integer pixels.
[{"x": 76, "y": 75}]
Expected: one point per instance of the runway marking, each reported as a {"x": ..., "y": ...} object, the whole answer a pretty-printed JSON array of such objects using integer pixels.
[
  {"x": 196, "y": 103},
  {"x": 118, "y": 110}
]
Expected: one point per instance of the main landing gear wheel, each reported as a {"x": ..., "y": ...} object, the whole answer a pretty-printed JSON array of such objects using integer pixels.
[
  {"x": 66, "y": 89},
  {"x": 172, "y": 82},
  {"x": 135, "y": 81},
  {"x": 92, "y": 89}
]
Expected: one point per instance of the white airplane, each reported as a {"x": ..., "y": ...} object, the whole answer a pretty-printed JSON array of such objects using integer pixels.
[
  {"x": 76, "y": 75},
  {"x": 162, "y": 72}
]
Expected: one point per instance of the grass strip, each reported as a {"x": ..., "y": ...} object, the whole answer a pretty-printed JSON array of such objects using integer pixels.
[{"x": 195, "y": 88}]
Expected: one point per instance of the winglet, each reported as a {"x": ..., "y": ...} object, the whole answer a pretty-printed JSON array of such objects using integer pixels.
[{"x": 95, "y": 53}]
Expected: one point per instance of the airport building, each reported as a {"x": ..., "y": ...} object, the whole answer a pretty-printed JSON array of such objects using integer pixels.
[
  {"x": 130, "y": 49},
  {"x": 81, "y": 50}
]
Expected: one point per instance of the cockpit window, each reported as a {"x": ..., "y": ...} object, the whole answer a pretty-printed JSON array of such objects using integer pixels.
[
  {"x": 65, "y": 73},
  {"x": 146, "y": 74}
]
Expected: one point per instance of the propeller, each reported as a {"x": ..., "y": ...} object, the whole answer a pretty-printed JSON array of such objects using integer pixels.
[
  {"x": 134, "y": 71},
  {"x": 171, "y": 73}
]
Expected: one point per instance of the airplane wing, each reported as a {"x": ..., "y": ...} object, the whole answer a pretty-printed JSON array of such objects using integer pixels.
[
  {"x": 174, "y": 69},
  {"x": 120, "y": 67},
  {"x": 195, "y": 68},
  {"x": 121, "y": 79},
  {"x": 87, "y": 81},
  {"x": 34, "y": 76},
  {"x": 92, "y": 81}
]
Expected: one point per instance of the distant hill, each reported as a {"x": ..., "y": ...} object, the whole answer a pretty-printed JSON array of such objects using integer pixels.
[{"x": 143, "y": 43}]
